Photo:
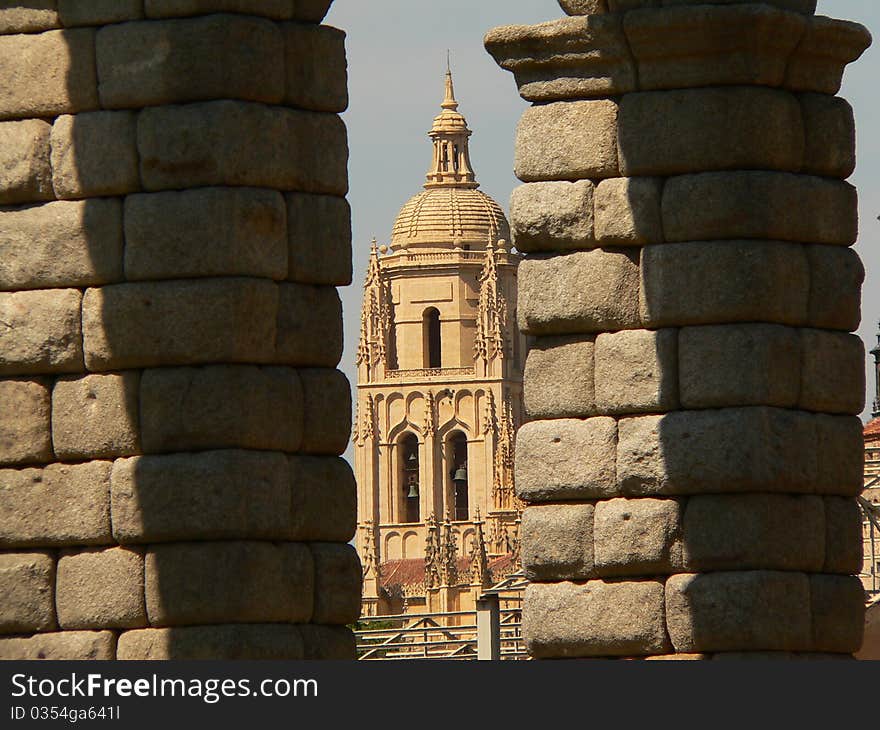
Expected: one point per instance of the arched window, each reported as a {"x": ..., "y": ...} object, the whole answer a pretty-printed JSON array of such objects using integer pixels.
[
  {"x": 409, "y": 478},
  {"x": 459, "y": 475},
  {"x": 431, "y": 336}
]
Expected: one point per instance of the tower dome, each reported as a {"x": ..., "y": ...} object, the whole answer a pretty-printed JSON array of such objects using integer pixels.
[{"x": 451, "y": 211}]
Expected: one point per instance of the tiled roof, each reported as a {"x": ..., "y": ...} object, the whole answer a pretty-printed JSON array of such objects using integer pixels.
[
  {"x": 411, "y": 571},
  {"x": 872, "y": 430}
]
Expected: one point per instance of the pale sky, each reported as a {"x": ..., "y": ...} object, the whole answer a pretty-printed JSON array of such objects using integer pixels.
[{"x": 397, "y": 58}]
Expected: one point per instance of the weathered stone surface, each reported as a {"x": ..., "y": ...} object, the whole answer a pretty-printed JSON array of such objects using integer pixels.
[
  {"x": 747, "y": 204},
  {"x": 327, "y": 411},
  {"x": 27, "y": 584},
  {"x": 61, "y": 244},
  {"x": 723, "y": 128},
  {"x": 179, "y": 323},
  {"x": 837, "y": 609},
  {"x": 61, "y": 504},
  {"x": 310, "y": 11},
  {"x": 62, "y": 645},
  {"x": 252, "y": 582},
  {"x": 319, "y": 239},
  {"x": 240, "y": 143},
  {"x": 637, "y": 371},
  {"x": 710, "y": 45},
  {"x": 758, "y": 610},
  {"x": 96, "y": 416},
  {"x": 601, "y": 291},
  {"x": 328, "y": 642},
  {"x": 567, "y": 141},
  {"x": 41, "y": 332},
  {"x": 206, "y": 232},
  {"x": 566, "y": 459},
  {"x": 827, "y": 47},
  {"x": 552, "y": 216},
  {"x": 594, "y": 619},
  {"x": 628, "y": 211},
  {"x": 798, "y": 6},
  {"x": 25, "y": 171},
  {"x": 637, "y": 536},
  {"x": 215, "y": 495},
  {"x": 557, "y": 542},
  {"x": 46, "y": 74},
  {"x": 754, "y": 531},
  {"x": 830, "y": 130},
  {"x": 724, "y": 281},
  {"x": 836, "y": 277},
  {"x": 739, "y": 365},
  {"x": 94, "y": 154},
  {"x": 260, "y": 408},
  {"x": 30, "y": 17},
  {"x": 195, "y": 59},
  {"x": 338, "y": 581},
  {"x": 101, "y": 589},
  {"x": 229, "y": 642},
  {"x": 275, "y": 9},
  {"x": 316, "y": 70},
  {"x": 323, "y": 499},
  {"x": 832, "y": 372},
  {"x": 839, "y": 455},
  {"x": 99, "y": 12},
  {"x": 25, "y": 428},
  {"x": 309, "y": 329},
  {"x": 843, "y": 536},
  {"x": 583, "y": 7},
  {"x": 558, "y": 379}
]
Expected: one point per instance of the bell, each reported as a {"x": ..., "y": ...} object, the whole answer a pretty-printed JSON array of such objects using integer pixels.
[
  {"x": 460, "y": 475},
  {"x": 413, "y": 490}
]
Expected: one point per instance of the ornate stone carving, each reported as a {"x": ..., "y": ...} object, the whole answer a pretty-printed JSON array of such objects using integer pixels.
[
  {"x": 377, "y": 316},
  {"x": 489, "y": 340}
]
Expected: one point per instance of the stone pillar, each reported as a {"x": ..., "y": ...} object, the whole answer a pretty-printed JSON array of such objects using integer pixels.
[
  {"x": 694, "y": 450},
  {"x": 172, "y": 233}
]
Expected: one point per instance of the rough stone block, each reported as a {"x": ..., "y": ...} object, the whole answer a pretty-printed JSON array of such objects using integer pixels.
[
  {"x": 723, "y": 128},
  {"x": 583, "y": 292},
  {"x": 62, "y": 645},
  {"x": 319, "y": 239},
  {"x": 41, "y": 332},
  {"x": 25, "y": 170},
  {"x": 739, "y": 365},
  {"x": 748, "y": 204},
  {"x": 229, "y": 642},
  {"x": 832, "y": 372},
  {"x": 96, "y": 416},
  {"x": 25, "y": 427},
  {"x": 827, "y": 47},
  {"x": 179, "y": 323},
  {"x": 221, "y": 582},
  {"x": 843, "y": 536},
  {"x": 594, "y": 619},
  {"x": 99, "y": 12},
  {"x": 567, "y": 141},
  {"x": 836, "y": 277},
  {"x": 757, "y": 610},
  {"x": 807, "y": 7},
  {"x": 215, "y": 495},
  {"x": 628, "y": 211},
  {"x": 323, "y": 499},
  {"x": 101, "y": 589},
  {"x": 27, "y": 584},
  {"x": 338, "y": 581},
  {"x": 557, "y": 542},
  {"x": 566, "y": 459},
  {"x": 30, "y": 17},
  {"x": 552, "y": 216},
  {"x": 583, "y": 7},
  {"x": 840, "y": 455},
  {"x": 239, "y": 143},
  {"x": 205, "y": 232},
  {"x": 317, "y": 73},
  {"x": 837, "y": 609},
  {"x": 328, "y": 642},
  {"x": 47, "y": 74},
  {"x": 327, "y": 411},
  {"x": 222, "y": 407},
  {"x": 275, "y": 9},
  {"x": 61, "y": 244},
  {"x": 830, "y": 130},
  {"x": 196, "y": 59},
  {"x": 309, "y": 329},
  {"x": 94, "y": 154},
  {"x": 754, "y": 531},
  {"x": 637, "y": 371},
  {"x": 637, "y": 536},
  {"x": 724, "y": 281},
  {"x": 558, "y": 380}
]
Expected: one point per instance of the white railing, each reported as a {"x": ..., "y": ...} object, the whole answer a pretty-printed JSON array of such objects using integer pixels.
[{"x": 430, "y": 373}]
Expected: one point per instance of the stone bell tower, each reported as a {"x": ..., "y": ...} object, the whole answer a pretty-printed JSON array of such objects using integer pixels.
[{"x": 439, "y": 389}]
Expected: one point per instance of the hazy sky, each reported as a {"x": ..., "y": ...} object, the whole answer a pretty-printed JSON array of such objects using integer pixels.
[{"x": 397, "y": 57}]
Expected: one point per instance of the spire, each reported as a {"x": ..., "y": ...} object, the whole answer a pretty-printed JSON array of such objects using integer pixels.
[
  {"x": 449, "y": 102},
  {"x": 451, "y": 166}
]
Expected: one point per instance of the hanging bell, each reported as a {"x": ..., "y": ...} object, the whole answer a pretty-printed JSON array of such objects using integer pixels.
[
  {"x": 460, "y": 475},
  {"x": 413, "y": 490}
]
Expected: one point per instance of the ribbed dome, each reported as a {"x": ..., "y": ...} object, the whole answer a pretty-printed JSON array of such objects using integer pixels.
[{"x": 449, "y": 215}]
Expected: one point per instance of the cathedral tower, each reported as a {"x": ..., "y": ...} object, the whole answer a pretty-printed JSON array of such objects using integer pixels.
[{"x": 439, "y": 391}]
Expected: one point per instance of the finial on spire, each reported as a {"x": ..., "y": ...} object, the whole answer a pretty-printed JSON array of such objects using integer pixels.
[{"x": 449, "y": 102}]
